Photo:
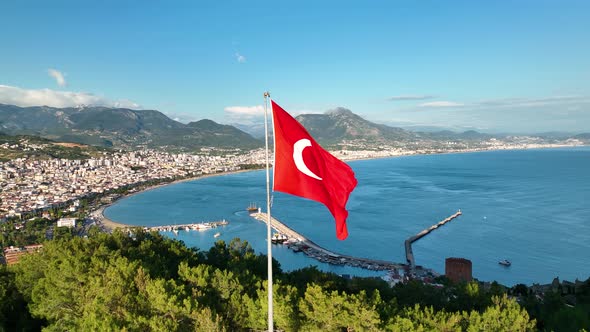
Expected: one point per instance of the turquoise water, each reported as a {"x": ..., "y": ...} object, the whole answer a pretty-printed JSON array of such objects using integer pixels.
[{"x": 531, "y": 207}]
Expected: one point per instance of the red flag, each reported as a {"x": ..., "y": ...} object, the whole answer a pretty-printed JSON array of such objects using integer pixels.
[{"x": 303, "y": 168}]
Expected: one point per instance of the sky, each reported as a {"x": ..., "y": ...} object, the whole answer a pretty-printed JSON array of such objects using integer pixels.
[{"x": 494, "y": 66}]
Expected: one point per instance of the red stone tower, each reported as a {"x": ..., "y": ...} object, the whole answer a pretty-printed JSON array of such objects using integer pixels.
[{"x": 458, "y": 269}]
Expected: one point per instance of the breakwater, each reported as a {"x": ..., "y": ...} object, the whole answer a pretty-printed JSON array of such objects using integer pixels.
[
  {"x": 412, "y": 239},
  {"x": 297, "y": 242}
]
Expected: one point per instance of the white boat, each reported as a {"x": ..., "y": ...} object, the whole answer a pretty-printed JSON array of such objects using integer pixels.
[
  {"x": 279, "y": 238},
  {"x": 217, "y": 234},
  {"x": 202, "y": 226},
  {"x": 505, "y": 262}
]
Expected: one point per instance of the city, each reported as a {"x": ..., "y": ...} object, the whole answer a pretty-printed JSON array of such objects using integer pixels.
[{"x": 30, "y": 185}]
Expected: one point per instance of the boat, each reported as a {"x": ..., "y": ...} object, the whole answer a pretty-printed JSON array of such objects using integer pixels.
[
  {"x": 252, "y": 208},
  {"x": 217, "y": 234},
  {"x": 278, "y": 238},
  {"x": 505, "y": 262},
  {"x": 202, "y": 226}
]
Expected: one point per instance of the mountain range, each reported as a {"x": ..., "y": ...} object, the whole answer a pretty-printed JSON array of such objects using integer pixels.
[
  {"x": 120, "y": 128},
  {"x": 126, "y": 128},
  {"x": 342, "y": 125}
]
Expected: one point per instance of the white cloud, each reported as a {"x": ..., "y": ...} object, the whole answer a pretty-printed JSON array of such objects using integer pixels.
[
  {"x": 181, "y": 117},
  {"x": 245, "y": 114},
  {"x": 510, "y": 103},
  {"x": 249, "y": 115},
  {"x": 304, "y": 111},
  {"x": 441, "y": 103},
  {"x": 245, "y": 110},
  {"x": 240, "y": 58},
  {"x": 530, "y": 102},
  {"x": 122, "y": 103},
  {"x": 47, "y": 97},
  {"x": 58, "y": 76},
  {"x": 409, "y": 97},
  {"x": 258, "y": 111}
]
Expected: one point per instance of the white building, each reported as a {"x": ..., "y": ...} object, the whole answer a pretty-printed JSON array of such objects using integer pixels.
[{"x": 66, "y": 222}]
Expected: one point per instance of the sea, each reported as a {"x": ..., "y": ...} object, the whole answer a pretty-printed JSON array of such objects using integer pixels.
[{"x": 531, "y": 207}]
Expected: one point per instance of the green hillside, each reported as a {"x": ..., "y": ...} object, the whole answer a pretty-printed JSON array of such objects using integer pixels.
[
  {"x": 120, "y": 128},
  {"x": 23, "y": 146}
]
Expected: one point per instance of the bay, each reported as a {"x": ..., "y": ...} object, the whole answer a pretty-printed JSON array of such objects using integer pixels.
[{"x": 531, "y": 207}]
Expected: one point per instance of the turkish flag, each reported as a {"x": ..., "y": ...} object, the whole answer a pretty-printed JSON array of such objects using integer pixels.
[{"x": 303, "y": 168}]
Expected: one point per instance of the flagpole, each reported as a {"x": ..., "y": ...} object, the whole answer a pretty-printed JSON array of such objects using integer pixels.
[{"x": 268, "y": 233}]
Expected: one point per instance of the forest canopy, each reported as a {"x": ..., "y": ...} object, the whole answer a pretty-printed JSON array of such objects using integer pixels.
[{"x": 149, "y": 282}]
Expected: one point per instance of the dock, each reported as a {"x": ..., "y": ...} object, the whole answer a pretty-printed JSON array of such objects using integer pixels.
[
  {"x": 187, "y": 227},
  {"x": 412, "y": 239},
  {"x": 298, "y": 242}
]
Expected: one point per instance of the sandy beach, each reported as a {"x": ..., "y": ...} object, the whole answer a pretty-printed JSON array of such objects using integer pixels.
[{"x": 105, "y": 222}]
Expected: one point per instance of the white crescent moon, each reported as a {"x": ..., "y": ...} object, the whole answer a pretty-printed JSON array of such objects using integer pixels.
[{"x": 298, "y": 148}]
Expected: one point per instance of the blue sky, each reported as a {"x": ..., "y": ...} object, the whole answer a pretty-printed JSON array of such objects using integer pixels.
[{"x": 511, "y": 66}]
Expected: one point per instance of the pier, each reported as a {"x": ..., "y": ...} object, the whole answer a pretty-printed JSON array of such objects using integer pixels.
[
  {"x": 187, "y": 227},
  {"x": 298, "y": 242},
  {"x": 412, "y": 239}
]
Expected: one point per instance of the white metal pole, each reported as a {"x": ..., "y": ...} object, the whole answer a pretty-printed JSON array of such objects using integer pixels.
[{"x": 268, "y": 233}]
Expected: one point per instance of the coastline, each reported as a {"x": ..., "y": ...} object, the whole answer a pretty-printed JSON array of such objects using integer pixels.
[
  {"x": 110, "y": 224},
  {"x": 104, "y": 222},
  {"x": 552, "y": 146}
]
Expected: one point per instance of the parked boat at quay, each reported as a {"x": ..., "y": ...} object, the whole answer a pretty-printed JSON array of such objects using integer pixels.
[
  {"x": 297, "y": 242},
  {"x": 202, "y": 226},
  {"x": 188, "y": 227},
  {"x": 278, "y": 238}
]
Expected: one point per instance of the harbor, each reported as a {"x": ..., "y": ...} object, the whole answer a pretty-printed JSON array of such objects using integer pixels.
[
  {"x": 412, "y": 239},
  {"x": 188, "y": 227},
  {"x": 99, "y": 217},
  {"x": 299, "y": 243},
  {"x": 475, "y": 239}
]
